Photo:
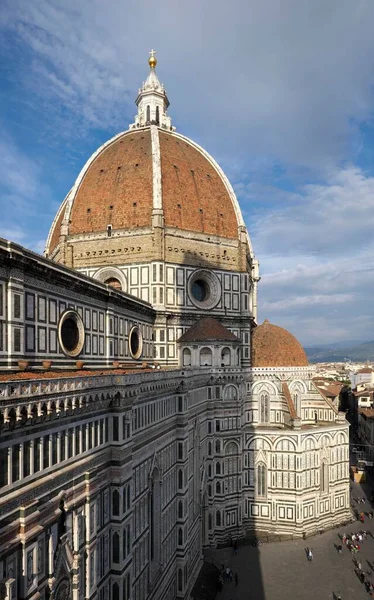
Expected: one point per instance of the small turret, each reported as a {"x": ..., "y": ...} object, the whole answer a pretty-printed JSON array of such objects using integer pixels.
[{"x": 152, "y": 101}]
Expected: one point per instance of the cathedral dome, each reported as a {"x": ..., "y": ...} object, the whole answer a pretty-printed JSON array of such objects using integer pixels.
[
  {"x": 273, "y": 346},
  {"x": 142, "y": 170},
  {"x": 146, "y": 177}
]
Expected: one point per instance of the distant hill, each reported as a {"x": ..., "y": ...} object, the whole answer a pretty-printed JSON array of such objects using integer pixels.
[{"x": 340, "y": 352}]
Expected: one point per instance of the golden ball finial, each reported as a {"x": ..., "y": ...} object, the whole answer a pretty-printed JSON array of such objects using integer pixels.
[{"x": 152, "y": 61}]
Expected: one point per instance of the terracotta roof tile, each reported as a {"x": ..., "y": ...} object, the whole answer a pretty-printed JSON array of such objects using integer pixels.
[{"x": 273, "y": 346}]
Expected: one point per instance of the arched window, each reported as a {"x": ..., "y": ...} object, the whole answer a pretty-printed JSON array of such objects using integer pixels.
[
  {"x": 180, "y": 536},
  {"x": 218, "y": 468},
  {"x": 218, "y": 518},
  {"x": 186, "y": 357},
  {"x": 218, "y": 487},
  {"x": 264, "y": 408},
  {"x": 115, "y": 591},
  {"x": 261, "y": 480},
  {"x": 209, "y": 490},
  {"x": 180, "y": 479},
  {"x": 210, "y": 448},
  {"x": 210, "y": 521},
  {"x": 148, "y": 113},
  {"x": 180, "y": 510},
  {"x": 315, "y": 417},
  {"x": 115, "y": 503},
  {"x": 238, "y": 356},
  {"x": 205, "y": 357},
  {"x": 180, "y": 580},
  {"x": 231, "y": 393},
  {"x": 157, "y": 115},
  {"x": 155, "y": 516},
  {"x": 225, "y": 357},
  {"x": 218, "y": 446},
  {"x": 324, "y": 477},
  {"x": 115, "y": 547}
]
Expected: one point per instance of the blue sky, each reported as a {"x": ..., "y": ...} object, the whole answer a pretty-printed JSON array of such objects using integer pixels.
[{"x": 280, "y": 93}]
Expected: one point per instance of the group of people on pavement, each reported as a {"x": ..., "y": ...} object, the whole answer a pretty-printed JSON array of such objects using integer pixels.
[{"x": 226, "y": 574}]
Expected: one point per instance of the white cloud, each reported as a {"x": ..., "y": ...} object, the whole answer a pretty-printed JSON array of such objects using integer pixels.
[
  {"x": 277, "y": 91},
  {"x": 289, "y": 80},
  {"x": 23, "y": 194}
]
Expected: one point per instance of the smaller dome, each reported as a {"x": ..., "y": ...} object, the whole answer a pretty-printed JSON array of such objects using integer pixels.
[{"x": 273, "y": 346}]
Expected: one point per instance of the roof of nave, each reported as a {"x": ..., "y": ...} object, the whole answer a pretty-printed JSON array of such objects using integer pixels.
[
  {"x": 208, "y": 329},
  {"x": 273, "y": 346},
  {"x": 62, "y": 374}
]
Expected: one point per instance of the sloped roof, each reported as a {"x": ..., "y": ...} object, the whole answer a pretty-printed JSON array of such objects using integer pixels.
[
  {"x": 208, "y": 329},
  {"x": 290, "y": 404}
]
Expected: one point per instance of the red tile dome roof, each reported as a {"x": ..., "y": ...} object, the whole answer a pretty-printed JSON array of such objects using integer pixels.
[
  {"x": 208, "y": 329},
  {"x": 116, "y": 187},
  {"x": 273, "y": 346}
]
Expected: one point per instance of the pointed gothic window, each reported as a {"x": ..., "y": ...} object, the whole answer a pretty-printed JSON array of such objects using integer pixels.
[
  {"x": 261, "y": 480},
  {"x": 264, "y": 408},
  {"x": 148, "y": 114},
  {"x": 115, "y": 548},
  {"x": 157, "y": 115},
  {"x": 324, "y": 477},
  {"x": 115, "y": 591},
  {"x": 115, "y": 503}
]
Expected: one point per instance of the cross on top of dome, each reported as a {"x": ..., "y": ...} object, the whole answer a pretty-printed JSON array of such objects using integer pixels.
[
  {"x": 152, "y": 101},
  {"x": 152, "y": 61}
]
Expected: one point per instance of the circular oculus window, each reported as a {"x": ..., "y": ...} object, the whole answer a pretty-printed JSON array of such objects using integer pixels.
[
  {"x": 71, "y": 333},
  {"x": 135, "y": 342},
  {"x": 204, "y": 289}
]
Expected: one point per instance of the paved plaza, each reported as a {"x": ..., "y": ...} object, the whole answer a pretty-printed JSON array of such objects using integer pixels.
[{"x": 281, "y": 571}]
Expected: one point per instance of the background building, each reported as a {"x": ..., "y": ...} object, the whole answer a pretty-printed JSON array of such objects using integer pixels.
[{"x": 185, "y": 425}]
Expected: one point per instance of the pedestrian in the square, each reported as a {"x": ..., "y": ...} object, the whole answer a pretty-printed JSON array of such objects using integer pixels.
[
  {"x": 344, "y": 538},
  {"x": 230, "y": 575},
  {"x": 310, "y": 554},
  {"x": 359, "y": 566}
]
